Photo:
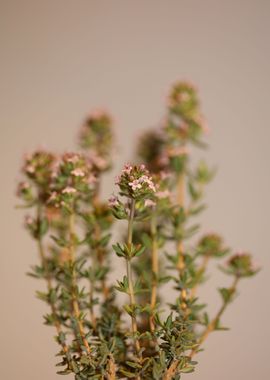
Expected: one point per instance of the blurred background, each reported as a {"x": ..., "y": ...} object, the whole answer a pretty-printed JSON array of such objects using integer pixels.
[{"x": 62, "y": 58}]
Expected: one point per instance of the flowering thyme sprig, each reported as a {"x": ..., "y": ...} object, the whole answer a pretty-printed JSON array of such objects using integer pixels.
[
  {"x": 72, "y": 228},
  {"x": 73, "y": 180},
  {"x": 136, "y": 185},
  {"x": 96, "y": 139},
  {"x": 38, "y": 168}
]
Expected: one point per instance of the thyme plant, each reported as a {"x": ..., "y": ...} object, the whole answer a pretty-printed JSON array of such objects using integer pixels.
[{"x": 157, "y": 199}]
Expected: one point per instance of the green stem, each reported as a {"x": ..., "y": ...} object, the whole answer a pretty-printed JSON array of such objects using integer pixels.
[
  {"x": 180, "y": 245},
  {"x": 75, "y": 303},
  {"x": 134, "y": 326},
  {"x": 200, "y": 272}
]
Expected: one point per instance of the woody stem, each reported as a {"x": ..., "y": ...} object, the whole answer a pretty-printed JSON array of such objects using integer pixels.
[{"x": 155, "y": 269}]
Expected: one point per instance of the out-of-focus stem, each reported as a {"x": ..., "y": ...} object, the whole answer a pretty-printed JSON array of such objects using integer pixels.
[
  {"x": 180, "y": 202},
  {"x": 180, "y": 245},
  {"x": 212, "y": 324},
  {"x": 100, "y": 259},
  {"x": 43, "y": 260},
  {"x": 91, "y": 300},
  {"x": 201, "y": 271},
  {"x": 111, "y": 372},
  {"x": 75, "y": 304},
  {"x": 155, "y": 269}
]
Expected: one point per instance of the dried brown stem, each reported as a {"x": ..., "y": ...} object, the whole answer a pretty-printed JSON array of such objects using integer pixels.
[
  {"x": 111, "y": 369},
  {"x": 171, "y": 371}
]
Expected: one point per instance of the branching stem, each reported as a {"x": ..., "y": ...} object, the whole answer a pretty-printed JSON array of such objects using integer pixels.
[
  {"x": 211, "y": 326},
  {"x": 172, "y": 369}
]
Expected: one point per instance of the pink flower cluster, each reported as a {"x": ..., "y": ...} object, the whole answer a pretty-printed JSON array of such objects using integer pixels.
[
  {"x": 135, "y": 181},
  {"x": 138, "y": 183}
]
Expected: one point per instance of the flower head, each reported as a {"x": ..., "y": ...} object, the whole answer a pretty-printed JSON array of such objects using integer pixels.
[
  {"x": 212, "y": 245},
  {"x": 151, "y": 149},
  {"x": 136, "y": 182},
  {"x": 241, "y": 265},
  {"x": 72, "y": 180},
  {"x": 183, "y": 99},
  {"x": 38, "y": 167},
  {"x": 96, "y": 136}
]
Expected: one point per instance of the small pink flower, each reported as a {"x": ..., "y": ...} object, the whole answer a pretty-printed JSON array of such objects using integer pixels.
[
  {"x": 72, "y": 158},
  {"x": 163, "y": 194},
  {"x": 69, "y": 190},
  {"x": 30, "y": 169},
  {"x": 163, "y": 160},
  {"x": 135, "y": 185},
  {"x": 113, "y": 201},
  {"x": 127, "y": 169},
  {"x": 53, "y": 197},
  {"x": 78, "y": 172},
  {"x": 149, "y": 203},
  {"x": 28, "y": 220},
  {"x": 91, "y": 180},
  {"x": 164, "y": 175}
]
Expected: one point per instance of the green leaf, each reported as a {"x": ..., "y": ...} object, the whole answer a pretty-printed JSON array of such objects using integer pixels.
[
  {"x": 226, "y": 294},
  {"x": 43, "y": 227}
]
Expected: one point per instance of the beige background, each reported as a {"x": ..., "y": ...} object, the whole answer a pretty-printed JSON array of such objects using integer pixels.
[{"x": 59, "y": 59}]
